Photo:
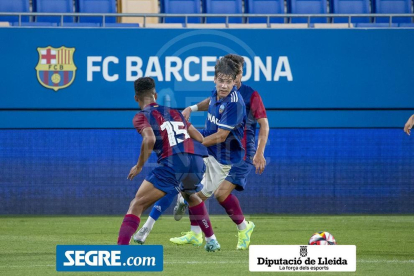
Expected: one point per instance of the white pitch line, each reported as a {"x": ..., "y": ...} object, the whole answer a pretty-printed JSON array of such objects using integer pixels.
[
  {"x": 21, "y": 266},
  {"x": 385, "y": 261},
  {"x": 222, "y": 262}
]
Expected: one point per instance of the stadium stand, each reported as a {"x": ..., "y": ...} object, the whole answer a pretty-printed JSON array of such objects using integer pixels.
[
  {"x": 96, "y": 6},
  {"x": 208, "y": 26},
  {"x": 122, "y": 25},
  {"x": 55, "y": 6},
  {"x": 35, "y": 24},
  {"x": 406, "y": 25},
  {"x": 166, "y": 26},
  {"x": 14, "y": 6},
  {"x": 290, "y": 26},
  {"x": 350, "y": 7},
  {"x": 264, "y": 7},
  {"x": 332, "y": 26},
  {"x": 347, "y": 8},
  {"x": 81, "y": 25},
  {"x": 392, "y": 6},
  {"x": 138, "y": 6},
  {"x": 181, "y": 6},
  {"x": 308, "y": 7},
  {"x": 248, "y": 26},
  {"x": 223, "y": 7},
  {"x": 376, "y": 25}
]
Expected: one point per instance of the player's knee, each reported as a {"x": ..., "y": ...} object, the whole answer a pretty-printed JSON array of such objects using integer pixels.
[
  {"x": 186, "y": 196},
  {"x": 202, "y": 196},
  {"x": 220, "y": 195},
  {"x": 137, "y": 202}
]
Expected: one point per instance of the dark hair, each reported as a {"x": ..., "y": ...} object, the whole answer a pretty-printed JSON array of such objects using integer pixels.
[
  {"x": 236, "y": 58},
  {"x": 144, "y": 86},
  {"x": 226, "y": 66}
]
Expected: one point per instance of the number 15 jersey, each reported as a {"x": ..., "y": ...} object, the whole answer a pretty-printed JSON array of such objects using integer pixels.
[{"x": 170, "y": 129}]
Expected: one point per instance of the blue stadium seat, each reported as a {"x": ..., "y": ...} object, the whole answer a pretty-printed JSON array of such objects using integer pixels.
[
  {"x": 35, "y": 24},
  {"x": 223, "y": 7},
  {"x": 58, "y": 6},
  {"x": 308, "y": 7},
  {"x": 406, "y": 25},
  {"x": 80, "y": 25},
  {"x": 376, "y": 25},
  {"x": 14, "y": 6},
  {"x": 96, "y": 6},
  {"x": 264, "y": 7},
  {"x": 350, "y": 7},
  {"x": 181, "y": 6},
  {"x": 392, "y": 6},
  {"x": 121, "y": 25}
]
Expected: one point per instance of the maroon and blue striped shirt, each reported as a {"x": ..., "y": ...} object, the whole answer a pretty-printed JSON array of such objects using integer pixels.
[{"x": 170, "y": 129}]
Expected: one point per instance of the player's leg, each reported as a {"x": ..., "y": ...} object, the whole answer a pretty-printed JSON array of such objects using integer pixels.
[
  {"x": 215, "y": 173},
  {"x": 181, "y": 205},
  {"x": 159, "y": 207},
  {"x": 198, "y": 213},
  {"x": 197, "y": 209},
  {"x": 146, "y": 195},
  {"x": 236, "y": 180}
]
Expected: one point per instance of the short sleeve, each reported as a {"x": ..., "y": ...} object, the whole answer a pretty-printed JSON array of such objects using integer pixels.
[
  {"x": 140, "y": 122},
  {"x": 232, "y": 116},
  {"x": 256, "y": 106}
]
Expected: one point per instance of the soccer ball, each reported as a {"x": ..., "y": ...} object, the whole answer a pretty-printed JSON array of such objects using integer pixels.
[{"x": 322, "y": 238}]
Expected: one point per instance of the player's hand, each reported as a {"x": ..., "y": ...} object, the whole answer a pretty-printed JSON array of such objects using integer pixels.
[
  {"x": 409, "y": 125},
  {"x": 134, "y": 172},
  {"x": 259, "y": 162},
  {"x": 186, "y": 113}
]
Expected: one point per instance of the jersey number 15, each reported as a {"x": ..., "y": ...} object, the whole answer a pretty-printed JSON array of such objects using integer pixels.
[{"x": 173, "y": 129}]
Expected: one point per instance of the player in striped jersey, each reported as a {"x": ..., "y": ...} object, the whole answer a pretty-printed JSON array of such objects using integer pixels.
[
  {"x": 225, "y": 123},
  {"x": 180, "y": 153}
]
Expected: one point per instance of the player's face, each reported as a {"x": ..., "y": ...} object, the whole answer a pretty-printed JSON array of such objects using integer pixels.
[
  {"x": 224, "y": 85},
  {"x": 237, "y": 81}
]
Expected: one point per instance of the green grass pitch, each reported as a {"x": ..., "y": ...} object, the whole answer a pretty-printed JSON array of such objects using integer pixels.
[{"x": 385, "y": 244}]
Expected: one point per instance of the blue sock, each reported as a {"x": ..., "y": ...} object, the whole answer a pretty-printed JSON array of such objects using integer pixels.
[{"x": 161, "y": 205}]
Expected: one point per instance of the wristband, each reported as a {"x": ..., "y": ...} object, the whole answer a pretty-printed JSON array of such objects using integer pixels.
[{"x": 194, "y": 107}]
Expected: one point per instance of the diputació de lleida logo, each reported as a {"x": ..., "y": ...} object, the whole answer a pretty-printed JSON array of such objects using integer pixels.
[{"x": 56, "y": 68}]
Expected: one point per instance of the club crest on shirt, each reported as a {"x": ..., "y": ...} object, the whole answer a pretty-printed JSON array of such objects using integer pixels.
[{"x": 221, "y": 109}]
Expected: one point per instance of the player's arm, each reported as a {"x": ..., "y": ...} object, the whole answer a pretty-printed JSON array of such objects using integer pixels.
[
  {"x": 259, "y": 160},
  {"x": 216, "y": 138},
  {"x": 230, "y": 118},
  {"x": 195, "y": 134},
  {"x": 259, "y": 113},
  {"x": 201, "y": 106},
  {"x": 409, "y": 125},
  {"x": 148, "y": 142}
]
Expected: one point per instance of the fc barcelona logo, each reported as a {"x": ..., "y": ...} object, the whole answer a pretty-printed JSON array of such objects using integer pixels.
[{"x": 56, "y": 69}]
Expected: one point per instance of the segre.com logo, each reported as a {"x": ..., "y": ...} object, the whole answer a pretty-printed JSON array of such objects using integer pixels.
[{"x": 109, "y": 258}]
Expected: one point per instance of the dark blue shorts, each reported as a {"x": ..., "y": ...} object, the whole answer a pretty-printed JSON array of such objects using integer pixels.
[
  {"x": 238, "y": 174},
  {"x": 178, "y": 172}
]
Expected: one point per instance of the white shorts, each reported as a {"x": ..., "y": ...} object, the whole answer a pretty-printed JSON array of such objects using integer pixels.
[{"x": 214, "y": 175}]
